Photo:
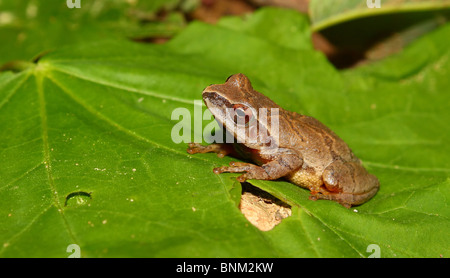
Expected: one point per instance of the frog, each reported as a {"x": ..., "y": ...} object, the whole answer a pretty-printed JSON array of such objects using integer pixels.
[{"x": 304, "y": 151}]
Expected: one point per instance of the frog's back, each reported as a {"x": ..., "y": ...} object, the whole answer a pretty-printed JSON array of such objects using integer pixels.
[{"x": 318, "y": 144}]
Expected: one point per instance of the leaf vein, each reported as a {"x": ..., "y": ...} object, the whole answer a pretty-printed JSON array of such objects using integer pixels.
[
  {"x": 16, "y": 235},
  {"x": 14, "y": 91},
  {"x": 46, "y": 149},
  {"x": 125, "y": 88},
  {"x": 21, "y": 176}
]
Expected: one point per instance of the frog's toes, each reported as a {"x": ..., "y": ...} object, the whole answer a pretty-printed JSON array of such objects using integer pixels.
[
  {"x": 218, "y": 170},
  {"x": 194, "y": 148},
  {"x": 235, "y": 167},
  {"x": 220, "y": 149},
  {"x": 313, "y": 197},
  {"x": 242, "y": 178},
  {"x": 241, "y": 164},
  {"x": 252, "y": 171},
  {"x": 193, "y": 145}
]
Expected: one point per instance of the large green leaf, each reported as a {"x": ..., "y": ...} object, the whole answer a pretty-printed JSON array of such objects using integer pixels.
[
  {"x": 87, "y": 158},
  {"x": 28, "y": 28}
]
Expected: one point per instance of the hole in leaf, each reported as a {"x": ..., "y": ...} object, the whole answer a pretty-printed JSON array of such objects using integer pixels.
[
  {"x": 79, "y": 198},
  {"x": 262, "y": 209}
]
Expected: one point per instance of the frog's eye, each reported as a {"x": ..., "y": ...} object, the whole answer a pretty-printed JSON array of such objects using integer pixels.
[{"x": 242, "y": 114}]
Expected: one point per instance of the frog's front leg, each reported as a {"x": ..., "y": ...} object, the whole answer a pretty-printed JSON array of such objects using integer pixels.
[
  {"x": 221, "y": 149},
  {"x": 278, "y": 166}
]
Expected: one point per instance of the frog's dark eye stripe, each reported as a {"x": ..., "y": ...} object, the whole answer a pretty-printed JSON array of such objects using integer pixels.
[{"x": 216, "y": 99}]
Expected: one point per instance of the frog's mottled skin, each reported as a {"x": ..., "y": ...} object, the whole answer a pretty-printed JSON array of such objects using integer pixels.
[{"x": 308, "y": 153}]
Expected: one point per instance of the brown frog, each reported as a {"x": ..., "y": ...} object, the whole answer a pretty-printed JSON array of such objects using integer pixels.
[{"x": 304, "y": 151}]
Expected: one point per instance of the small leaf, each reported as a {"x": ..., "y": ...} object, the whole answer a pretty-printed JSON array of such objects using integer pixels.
[{"x": 324, "y": 15}]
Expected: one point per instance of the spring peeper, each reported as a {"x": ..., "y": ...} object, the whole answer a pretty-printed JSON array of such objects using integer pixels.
[{"x": 304, "y": 151}]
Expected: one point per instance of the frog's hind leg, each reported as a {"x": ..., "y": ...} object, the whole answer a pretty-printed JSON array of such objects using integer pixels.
[
  {"x": 347, "y": 183},
  {"x": 325, "y": 195}
]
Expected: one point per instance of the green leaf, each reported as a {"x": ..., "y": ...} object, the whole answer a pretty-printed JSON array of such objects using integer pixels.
[
  {"x": 87, "y": 158},
  {"x": 32, "y": 27},
  {"x": 331, "y": 12}
]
